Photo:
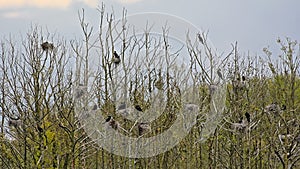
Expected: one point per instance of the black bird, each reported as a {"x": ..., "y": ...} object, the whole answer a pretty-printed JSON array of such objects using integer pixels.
[
  {"x": 241, "y": 120},
  {"x": 116, "y": 58},
  {"x": 112, "y": 123},
  {"x": 108, "y": 118},
  {"x": 200, "y": 38},
  {"x": 138, "y": 107},
  {"x": 220, "y": 74},
  {"x": 247, "y": 117},
  {"x": 40, "y": 129},
  {"x": 283, "y": 107},
  {"x": 243, "y": 78}
]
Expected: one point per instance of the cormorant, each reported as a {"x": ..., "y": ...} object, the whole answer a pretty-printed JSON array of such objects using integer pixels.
[
  {"x": 112, "y": 123},
  {"x": 138, "y": 107},
  {"x": 116, "y": 58},
  {"x": 247, "y": 117}
]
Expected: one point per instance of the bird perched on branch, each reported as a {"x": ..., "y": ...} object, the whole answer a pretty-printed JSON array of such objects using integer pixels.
[
  {"x": 200, "y": 38},
  {"x": 116, "y": 58},
  {"x": 138, "y": 107},
  {"x": 240, "y": 83},
  {"x": 247, "y": 117},
  {"x": 220, "y": 74},
  {"x": 242, "y": 125},
  {"x": 243, "y": 78},
  {"x": 47, "y": 46},
  {"x": 112, "y": 123}
]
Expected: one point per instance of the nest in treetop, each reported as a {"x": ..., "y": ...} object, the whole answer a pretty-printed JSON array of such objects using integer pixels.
[
  {"x": 144, "y": 128},
  {"x": 47, "y": 46}
]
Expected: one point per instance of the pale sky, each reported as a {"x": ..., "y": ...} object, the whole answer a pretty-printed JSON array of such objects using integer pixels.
[{"x": 254, "y": 24}]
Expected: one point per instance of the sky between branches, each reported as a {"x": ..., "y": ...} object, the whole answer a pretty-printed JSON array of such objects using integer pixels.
[{"x": 253, "y": 24}]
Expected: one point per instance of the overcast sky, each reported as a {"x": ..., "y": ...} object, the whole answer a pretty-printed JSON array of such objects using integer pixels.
[{"x": 254, "y": 24}]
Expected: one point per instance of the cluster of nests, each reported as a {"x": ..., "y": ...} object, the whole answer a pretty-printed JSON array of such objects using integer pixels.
[
  {"x": 245, "y": 123},
  {"x": 143, "y": 127},
  {"x": 272, "y": 108}
]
